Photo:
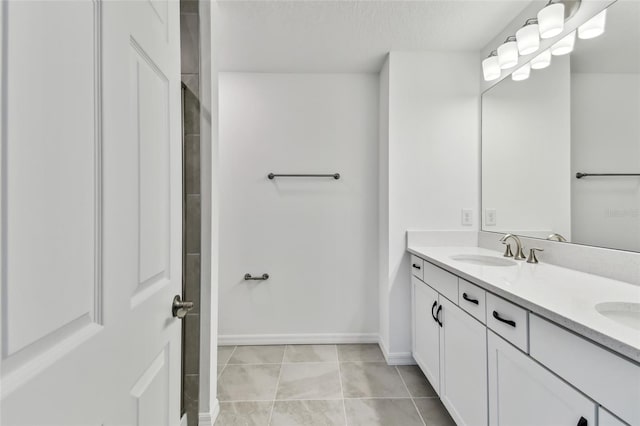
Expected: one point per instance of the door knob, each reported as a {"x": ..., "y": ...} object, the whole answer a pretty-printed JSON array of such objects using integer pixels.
[{"x": 180, "y": 307}]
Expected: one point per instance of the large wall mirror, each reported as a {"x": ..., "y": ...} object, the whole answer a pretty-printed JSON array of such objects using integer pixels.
[{"x": 561, "y": 149}]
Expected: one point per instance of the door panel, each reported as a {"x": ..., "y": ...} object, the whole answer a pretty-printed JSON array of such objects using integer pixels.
[
  {"x": 150, "y": 389},
  {"x": 51, "y": 186},
  {"x": 150, "y": 100},
  {"x": 91, "y": 217}
]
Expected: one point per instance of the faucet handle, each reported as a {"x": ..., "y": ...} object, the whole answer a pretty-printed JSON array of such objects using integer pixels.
[
  {"x": 519, "y": 253},
  {"x": 507, "y": 250},
  {"x": 532, "y": 255}
]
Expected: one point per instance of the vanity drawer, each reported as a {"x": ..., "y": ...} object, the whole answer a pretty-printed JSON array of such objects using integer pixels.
[
  {"x": 416, "y": 266},
  {"x": 508, "y": 320},
  {"x": 609, "y": 379},
  {"x": 472, "y": 299},
  {"x": 442, "y": 281}
]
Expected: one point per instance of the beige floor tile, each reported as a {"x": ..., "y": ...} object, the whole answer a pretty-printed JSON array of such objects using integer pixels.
[
  {"x": 366, "y": 379},
  {"x": 248, "y": 382},
  {"x": 310, "y": 353},
  {"x": 382, "y": 412},
  {"x": 364, "y": 353},
  {"x": 308, "y": 413}
]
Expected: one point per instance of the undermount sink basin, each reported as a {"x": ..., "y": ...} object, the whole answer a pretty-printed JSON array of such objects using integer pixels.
[
  {"x": 625, "y": 313},
  {"x": 478, "y": 259}
]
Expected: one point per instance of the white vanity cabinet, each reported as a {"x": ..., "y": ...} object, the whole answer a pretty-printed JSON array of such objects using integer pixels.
[
  {"x": 494, "y": 362},
  {"x": 463, "y": 365},
  {"x": 426, "y": 331},
  {"x": 450, "y": 346},
  {"x": 522, "y": 392}
]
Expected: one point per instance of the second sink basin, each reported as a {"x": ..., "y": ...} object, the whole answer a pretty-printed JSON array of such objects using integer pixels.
[
  {"x": 625, "y": 313},
  {"x": 478, "y": 259}
]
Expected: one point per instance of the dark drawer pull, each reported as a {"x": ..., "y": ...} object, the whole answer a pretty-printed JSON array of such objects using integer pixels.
[
  {"x": 582, "y": 422},
  {"x": 465, "y": 297},
  {"x": 435, "y": 303},
  {"x": 497, "y": 316},
  {"x": 416, "y": 266},
  {"x": 438, "y": 315}
]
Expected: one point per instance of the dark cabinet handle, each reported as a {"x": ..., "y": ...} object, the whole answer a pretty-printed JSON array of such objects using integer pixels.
[
  {"x": 582, "y": 422},
  {"x": 496, "y": 315},
  {"x": 435, "y": 303},
  {"x": 465, "y": 297},
  {"x": 416, "y": 266},
  {"x": 438, "y": 315}
]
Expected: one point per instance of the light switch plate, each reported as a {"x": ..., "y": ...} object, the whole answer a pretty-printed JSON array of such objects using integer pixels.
[
  {"x": 467, "y": 217},
  {"x": 490, "y": 217}
]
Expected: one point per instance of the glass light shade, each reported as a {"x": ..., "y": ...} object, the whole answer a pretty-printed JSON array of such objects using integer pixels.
[
  {"x": 565, "y": 45},
  {"x": 528, "y": 39},
  {"x": 490, "y": 68},
  {"x": 508, "y": 55},
  {"x": 551, "y": 20},
  {"x": 541, "y": 61},
  {"x": 594, "y": 26},
  {"x": 521, "y": 73}
]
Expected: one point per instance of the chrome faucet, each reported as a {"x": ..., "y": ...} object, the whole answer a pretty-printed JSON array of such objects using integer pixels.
[
  {"x": 557, "y": 237},
  {"x": 519, "y": 248}
]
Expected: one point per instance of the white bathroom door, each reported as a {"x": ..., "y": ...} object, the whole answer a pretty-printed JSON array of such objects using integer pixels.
[{"x": 91, "y": 212}]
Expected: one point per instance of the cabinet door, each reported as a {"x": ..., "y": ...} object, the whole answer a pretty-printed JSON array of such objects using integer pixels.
[
  {"x": 463, "y": 365},
  {"x": 522, "y": 392},
  {"x": 426, "y": 332}
]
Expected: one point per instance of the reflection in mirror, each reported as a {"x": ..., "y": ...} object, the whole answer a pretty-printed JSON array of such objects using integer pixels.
[{"x": 579, "y": 115}]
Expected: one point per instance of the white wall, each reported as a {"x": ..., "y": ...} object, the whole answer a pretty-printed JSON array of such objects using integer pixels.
[
  {"x": 383, "y": 204},
  {"x": 315, "y": 237},
  {"x": 208, "y": 405},
  {"x": 606, "y": 139},
  {"x": 526, "y": 144},
  {"x": 432, "y": 158}
]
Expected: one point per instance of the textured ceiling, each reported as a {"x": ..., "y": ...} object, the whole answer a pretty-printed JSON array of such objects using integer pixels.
[{"x": 349, "y": 36}]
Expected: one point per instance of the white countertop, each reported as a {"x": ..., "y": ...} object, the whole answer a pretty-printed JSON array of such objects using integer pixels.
[{"x": 565, "y": 296}]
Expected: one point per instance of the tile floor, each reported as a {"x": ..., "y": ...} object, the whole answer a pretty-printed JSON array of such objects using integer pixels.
[{"x": 298, "y": 385}]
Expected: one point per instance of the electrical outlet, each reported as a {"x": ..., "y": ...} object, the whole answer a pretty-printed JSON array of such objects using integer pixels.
[
  {"x": 467, "y": 217},
  {"x": 490, "y": 217}
]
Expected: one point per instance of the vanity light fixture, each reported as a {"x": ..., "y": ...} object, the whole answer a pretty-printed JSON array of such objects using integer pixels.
[
  {"x": 593, "y": 27},
  {"x": 508, "y": 53},
  {"x": 564, "y": 45},
  {"x": 549, "y": 23},
  {"x": 541, "y": 61},
  {"x": 528, "y": 37},
  {"x": 490, "y": 67},
  {"x": 521, "y": 73},
  {"x": 551, "y": 19}
]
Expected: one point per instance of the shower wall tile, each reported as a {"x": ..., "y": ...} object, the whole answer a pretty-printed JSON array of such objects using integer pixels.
[
  {"x": 192, "y": 228},
  {"x": 192, "y": 81},
  {"x": 188, "y": 6},
  {"x": 190, "y": 65},
  {"x": 191, "y": 388},
  {"x": 192, "y": 281},
  {"x": 189, "y": 43},
  {"x": 191, "y": 113},
  {"x": 192, "y": 164},
  {"x": 192, "y": 335}
]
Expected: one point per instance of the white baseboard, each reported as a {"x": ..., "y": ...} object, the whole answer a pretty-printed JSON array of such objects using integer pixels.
[
  {"x": 208, "y": 419},
  {"x": 296, "y": 339},
  {"x": 396, "y": 358}
]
